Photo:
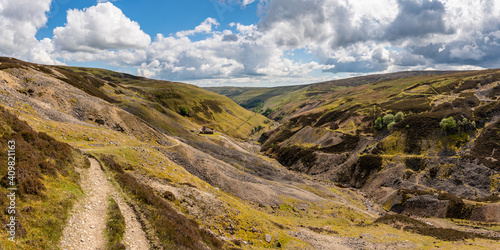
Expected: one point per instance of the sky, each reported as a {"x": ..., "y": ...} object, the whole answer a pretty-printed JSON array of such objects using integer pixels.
[{"x": 253, "y": 42}]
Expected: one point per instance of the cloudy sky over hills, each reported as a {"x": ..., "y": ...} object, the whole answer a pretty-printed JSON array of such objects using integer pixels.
[{"x": 254, "y": 42}]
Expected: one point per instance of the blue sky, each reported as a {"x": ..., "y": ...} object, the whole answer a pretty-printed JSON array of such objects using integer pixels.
[
  {"x": 163, "y": 17},
  {"x": 254, "y": 42}
]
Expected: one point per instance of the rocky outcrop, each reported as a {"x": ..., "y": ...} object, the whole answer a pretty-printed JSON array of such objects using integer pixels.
[
  {"x": 486, "y": 213},
  {"x": 426, "y": 206}
]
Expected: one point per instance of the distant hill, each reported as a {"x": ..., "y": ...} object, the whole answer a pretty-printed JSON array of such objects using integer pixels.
[
  {"x": 260, "y": 99},
  {"x": 251, "y": 98}
]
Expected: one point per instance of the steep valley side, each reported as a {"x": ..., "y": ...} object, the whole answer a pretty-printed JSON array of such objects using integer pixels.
[{"x": 444, "y": 144}]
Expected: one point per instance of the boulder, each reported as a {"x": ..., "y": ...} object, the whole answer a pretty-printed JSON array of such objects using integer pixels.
[
  {"x": 206, "y": 130},
  {"x": 269, "y": 238},
  {"x": 486, "y": 213},
  {"x": 169, "y": 196}
]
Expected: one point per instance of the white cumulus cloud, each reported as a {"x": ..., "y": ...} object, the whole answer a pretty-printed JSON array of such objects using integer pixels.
[
  {"x": 99, "y": 27},
  {"x": 204, "y": 27},
  {"x": 19, "y": 23}
]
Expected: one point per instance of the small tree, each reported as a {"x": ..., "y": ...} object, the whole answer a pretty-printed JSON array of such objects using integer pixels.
[
  {"x": 379, "y": 124},
  {"x": 389, "y": 126},
  {"x": 399, "y": 116},
  {"x": 184, "y": 111},
  {"x": 467, "y": 125},
  {"x": 388, "y": 119},
  {"x": 267, "y": 112},
  {"x": 448, "y": 124}
]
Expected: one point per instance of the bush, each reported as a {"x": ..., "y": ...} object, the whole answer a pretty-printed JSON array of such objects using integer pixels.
[
  {"x": 184, "y": 111},
  {"x": 388, "y": 119},
  {"x": 467, "y": 125},
  {"x": 389, "y": 126},
  {"x": 267, "y": 112},
  {"x": 399, "y": 117},
  {"x": 449, "y": 124},
  {"x": 379, "y": 124}
]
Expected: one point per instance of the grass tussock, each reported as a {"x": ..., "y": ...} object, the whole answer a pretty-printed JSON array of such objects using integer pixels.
[
  {"x": 115, "y": 227},
  {"x": 174, "y": 230}
]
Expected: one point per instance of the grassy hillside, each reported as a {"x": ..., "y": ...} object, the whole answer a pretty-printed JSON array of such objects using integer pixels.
[
  {"x": 182, "y": 107},
  {"x": 197, "y": 191}
]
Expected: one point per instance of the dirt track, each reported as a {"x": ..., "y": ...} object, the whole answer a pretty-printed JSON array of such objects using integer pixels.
[{"x": 86, "y": 226}]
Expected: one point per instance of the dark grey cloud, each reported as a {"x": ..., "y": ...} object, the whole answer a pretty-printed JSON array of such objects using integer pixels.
[
  {"x": 407, "y": 59},
  {"x": 346, "y": 33},
  {"x": 418, "y": 18},
  {"x": 437, "y": 52},
  {"x": 377, "y": 62},
  {"x": 230, "y": 37},
  {"x": 483, "y": 51},
  {"x": 423, "y": 33}
]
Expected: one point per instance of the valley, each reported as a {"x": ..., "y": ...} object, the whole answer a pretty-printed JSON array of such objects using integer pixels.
[{"x": 307, "y": 170}]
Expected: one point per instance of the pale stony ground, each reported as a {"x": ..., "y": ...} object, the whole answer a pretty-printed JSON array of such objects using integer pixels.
[
  {"x": 323, "y": 241},
  {"x": 86, "y": 227}
]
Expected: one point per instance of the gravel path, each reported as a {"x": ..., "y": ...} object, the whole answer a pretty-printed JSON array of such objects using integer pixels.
[
  {"x": 134, "y": 237},
  {"x": 86, "y": 226}
]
